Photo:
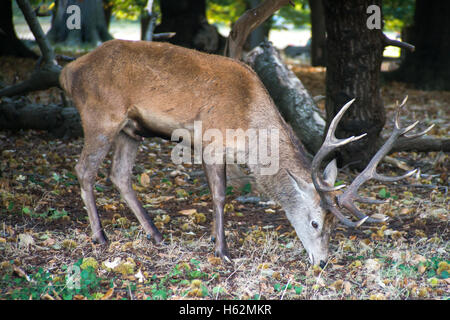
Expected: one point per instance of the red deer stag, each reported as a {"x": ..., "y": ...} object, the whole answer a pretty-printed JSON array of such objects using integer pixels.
[{"x": 126, "y": 90}]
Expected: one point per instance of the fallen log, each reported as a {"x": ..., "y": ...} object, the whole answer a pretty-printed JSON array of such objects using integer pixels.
[
  {"x": 62, "y": 122},
  {"x": 295, "y": 103}
]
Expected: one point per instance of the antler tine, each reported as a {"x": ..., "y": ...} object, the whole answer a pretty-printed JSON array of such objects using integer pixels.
[
  {"x": 369, "y": 200},
  {"x": 345, "y": 220},
  {"x": 351, "y": 194},
  {"x": 330, "y": 143},
  {"x": 350, "y": 206},
  {"x": 416, "y": 135},
  {"x": 398, "y": 109},
  {"x": 384, "y": 178},
  {"x": 346, "y": 199}
]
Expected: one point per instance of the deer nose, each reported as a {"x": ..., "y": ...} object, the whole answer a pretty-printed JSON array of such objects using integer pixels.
[{"x": 322, "y": 264}]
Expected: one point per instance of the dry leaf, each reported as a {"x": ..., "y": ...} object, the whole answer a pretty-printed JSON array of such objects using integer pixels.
[
  {"x": 145, "y": 180},
  {"x": 18, "y": 271},
  {"x": 108, "y": 294},
  {"x": 347, "y": 287},
  {"x": 187, "y": 212},
  {"x": 214, "y": 260},
  {"x": 25, "y": 240}
]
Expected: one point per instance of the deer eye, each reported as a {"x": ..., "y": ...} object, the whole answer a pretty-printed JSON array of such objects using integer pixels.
[{"x": 314, "y": 224}]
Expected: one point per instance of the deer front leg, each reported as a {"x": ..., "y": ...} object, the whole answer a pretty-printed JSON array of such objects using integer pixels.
[
  {"x": 215, "y": 174},
  {"x": 123, "y": 162}
]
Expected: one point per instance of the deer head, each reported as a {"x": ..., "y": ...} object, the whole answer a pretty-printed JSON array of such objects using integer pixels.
[{"x": 317, "y": 204}]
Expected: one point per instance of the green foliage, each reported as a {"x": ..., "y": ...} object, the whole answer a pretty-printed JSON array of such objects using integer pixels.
[
  {"x": 398, "y": 13},
  {"x": 246, "y": 189},
  {"x": 129, "y": 9},
  {"x": 297, "y": 16},
  {"x": 179, "y": 275},
  {"x": 384, "y": 194},
  {"x": 42, "y": 282},
  {"x": 224, "y": 11}
]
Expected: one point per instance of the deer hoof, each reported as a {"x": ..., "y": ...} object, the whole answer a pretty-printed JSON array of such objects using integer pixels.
[
  {"x": 100, "y": 238},
  {"x": 157, "y": 237},
  {"x": 223, "y": 254}
]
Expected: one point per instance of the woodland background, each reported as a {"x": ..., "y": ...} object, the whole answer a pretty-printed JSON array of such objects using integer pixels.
[{"x": 44, "y": 230}]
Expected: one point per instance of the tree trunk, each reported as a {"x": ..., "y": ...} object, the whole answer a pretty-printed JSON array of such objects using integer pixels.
[
  {"x": 428, "y": 67},
  {"x": 188, "y": 20},
  {"x": 318, "y": 33},
  {"x": 353, "y": 71},
  {"x": 9, "y": 43},
  {"x": 107, "y": 10},
  {"x": 290, "y": 96},
  {"x": 93, "y": 29}
]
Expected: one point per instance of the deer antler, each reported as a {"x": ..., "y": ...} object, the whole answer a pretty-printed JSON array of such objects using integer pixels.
[{"x": 346, "y": 199}]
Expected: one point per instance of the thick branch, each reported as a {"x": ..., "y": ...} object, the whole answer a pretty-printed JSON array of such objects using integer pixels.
[
  {"x": 44, "y": 45},
  {"x": 248, "y": 22},
  {"x": 41, "y": 79},
  {"x": 396, "y": 43},
  {"x": 421, "y": 144}
]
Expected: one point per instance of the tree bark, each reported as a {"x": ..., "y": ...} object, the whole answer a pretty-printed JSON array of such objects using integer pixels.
[
  {"x": 290, "y": 96},
  {"x": 188, "y": 20},
  {"x": 353, "y": 71},
  {"x": 428, "y": 67},
  {"x": 318, "y": 33},
  {"x": 94, "y": 29},
  {"x": 9, "y": 43}
]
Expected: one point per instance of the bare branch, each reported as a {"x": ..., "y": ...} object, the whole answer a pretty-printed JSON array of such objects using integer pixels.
[
  {"x": 164, "y": 35},
  {"x": 396, "y": 43},
  {"x": 248, "y": 22},
  {"x": 41, "y": 79},
  {"x": 35, "y": 27}
]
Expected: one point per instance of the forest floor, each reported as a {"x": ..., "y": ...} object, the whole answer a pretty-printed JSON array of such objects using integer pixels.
[{"x": 46, "y": 250}]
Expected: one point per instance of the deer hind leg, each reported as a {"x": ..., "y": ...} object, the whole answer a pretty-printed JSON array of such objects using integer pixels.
[
  {"x": 215, "y": 174},
  {"x": 96, "y": 146},
  {"x": 123, "y": 162}
]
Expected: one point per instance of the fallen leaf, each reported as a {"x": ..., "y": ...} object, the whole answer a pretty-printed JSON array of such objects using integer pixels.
[
  {"x": 19, "y": 272},
  {"x": 187, "y": 212},
  {"x": 25, "y": 240},
  {"x": 214, "y": 260},
  {"x": 144, "y": 180},
  {"x": 347, "y": 287},
  {"x": 108, "y": 294}
]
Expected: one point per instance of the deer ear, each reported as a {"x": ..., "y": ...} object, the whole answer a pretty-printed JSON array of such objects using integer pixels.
[
  {"x": 300, "y": 183},
  {"x": 330, "y": 173}
]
